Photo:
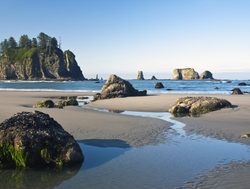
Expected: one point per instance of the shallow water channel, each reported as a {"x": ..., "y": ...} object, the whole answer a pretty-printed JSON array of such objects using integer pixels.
[{"x": 114, "y": 164}]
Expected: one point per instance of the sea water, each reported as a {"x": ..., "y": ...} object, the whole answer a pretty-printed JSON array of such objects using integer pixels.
[{"x": 171, "y": 86}]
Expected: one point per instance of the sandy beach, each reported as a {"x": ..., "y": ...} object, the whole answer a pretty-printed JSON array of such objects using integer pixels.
[{"x": 86, "y": 123}]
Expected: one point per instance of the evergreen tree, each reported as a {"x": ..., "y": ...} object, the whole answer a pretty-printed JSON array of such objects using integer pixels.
[
  {"x": 53, "y": 43},
  {"x": 12, "y": 43},
  {"x": 24, "y": 42},
  {"x": 43, "y": 40},
  {"x": 34, "y": 42},
  {"x": 4, "y": 45}
]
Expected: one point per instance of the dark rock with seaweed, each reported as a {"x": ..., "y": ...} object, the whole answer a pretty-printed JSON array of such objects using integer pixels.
[
  {"x": 116, "y": 87},
  {"x": 36, "y": 140},
  {"x": 195, "y": 106}
]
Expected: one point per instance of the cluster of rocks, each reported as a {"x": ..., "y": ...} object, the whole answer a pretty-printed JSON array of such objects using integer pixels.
[
  {"x": 190, "y": 74},
  {"x": 116, "y": 87},
  {"x": 36, "y": 140},
  {"x": 194, "y": 106},
  {"x": 65, "y": 101}
]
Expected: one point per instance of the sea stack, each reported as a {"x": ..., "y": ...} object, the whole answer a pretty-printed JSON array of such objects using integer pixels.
[
  {"x": 140, "y": 75},
  {"x": 185, "y": 74},
  {"x": 153, "y": 78},
  {"x": 206, "y": 75}
]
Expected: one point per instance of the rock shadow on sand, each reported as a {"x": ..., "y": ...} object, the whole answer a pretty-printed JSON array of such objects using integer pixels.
[{"x": 100, "y": 151}]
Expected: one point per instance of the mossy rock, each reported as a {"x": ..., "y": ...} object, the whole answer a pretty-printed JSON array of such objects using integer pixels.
[
  {"x": 45, "y": 104},
  {"x": 195, "y": 106},
  {"x": 36, "y": 140}
]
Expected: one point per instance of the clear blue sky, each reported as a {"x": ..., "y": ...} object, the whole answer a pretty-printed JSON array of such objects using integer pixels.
[{"x": 123, "y": 36}]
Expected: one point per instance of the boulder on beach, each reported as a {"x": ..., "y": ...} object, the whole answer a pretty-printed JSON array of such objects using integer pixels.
[
  {"x": 185, "y": 74},
  {"x": 237, "y": 91},
  {"x": 36, "y": 140},
  {"x": 206, "y": 75},
  {"x": 195, "y": 106},
  {"x": 140, "y": 75},
  {"x": 159, "y": 85},
  {"x": 117, "y": 87}
]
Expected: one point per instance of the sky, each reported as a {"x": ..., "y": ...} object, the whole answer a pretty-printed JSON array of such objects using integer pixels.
[{"x": 124, "y": 36}]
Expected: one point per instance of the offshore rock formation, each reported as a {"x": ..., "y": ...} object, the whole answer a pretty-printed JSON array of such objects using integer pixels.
[
  {"x": 116, "y": 87},
  {"x": 140, "y": 75},
  {"x": 185, "y": 74},
  {"x": 36, "y": 140},
  {"x": 195, "y": 106},
  {"x": 159, "y": 85},
  {"x": 153, "y": 78},
  {"x": 41, "y": 65},
  {"x": 206, "y": 75}
]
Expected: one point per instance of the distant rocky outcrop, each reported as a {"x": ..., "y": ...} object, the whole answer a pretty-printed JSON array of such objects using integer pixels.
[
  {"x": 185, "y": 74},
  {"x": 153, "y": 78},
  {"x": 159, "y": 85},
  {"x": 36, "y": 140},
  {"x": 243, "y": 84},
  {"x": 195, "y": 106},
  {"x": 206, "y": 75},
  {"x": 42, "y": 61},
  {"x": 237, "y": 91},
  {"x": 140, "y": 75},
  {"x": 117, "y": 87}
]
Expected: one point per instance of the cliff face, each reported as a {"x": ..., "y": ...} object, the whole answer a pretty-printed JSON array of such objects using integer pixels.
[
  {"x": 185, "y": 74},
  {"x": 35, "y": 64}
]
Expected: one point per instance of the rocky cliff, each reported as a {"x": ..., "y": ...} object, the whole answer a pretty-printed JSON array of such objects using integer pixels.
[
  {"x": 185, "y": 74},
  {"x": 37, "y": 64}
]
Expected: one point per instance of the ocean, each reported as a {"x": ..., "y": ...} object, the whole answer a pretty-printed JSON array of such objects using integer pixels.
[{"x": 171, "y": 86}]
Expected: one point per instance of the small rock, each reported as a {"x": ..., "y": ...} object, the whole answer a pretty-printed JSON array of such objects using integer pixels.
[
  {"x": 242, "y": 84},
  {"x": 237, "y": 91},
  {"x": 159, "y": 85},
  {"x": 45, "y": 104},
  {"x": 245, "y": 136}
]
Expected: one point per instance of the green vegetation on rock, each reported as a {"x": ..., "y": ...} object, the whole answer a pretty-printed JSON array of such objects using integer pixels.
[{"x": 11, "y": 156}]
